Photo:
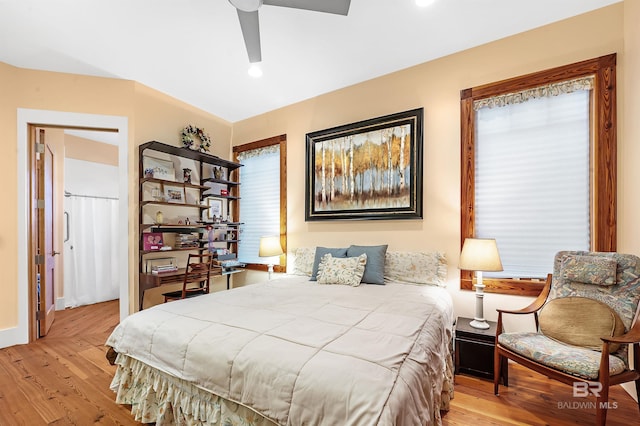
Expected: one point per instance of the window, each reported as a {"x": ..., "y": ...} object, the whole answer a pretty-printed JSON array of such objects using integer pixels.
[
  {"x": 538, "y": 169},
  {"x": 263, "y": 205}
]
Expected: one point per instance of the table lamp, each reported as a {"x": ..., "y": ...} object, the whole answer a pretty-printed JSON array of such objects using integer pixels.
[
  {"x": 480, "y": 254},
  {"x": 269, "y": 247}
]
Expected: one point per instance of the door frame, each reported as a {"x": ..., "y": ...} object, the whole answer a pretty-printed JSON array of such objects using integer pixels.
[{"x": 25, "y": 117}]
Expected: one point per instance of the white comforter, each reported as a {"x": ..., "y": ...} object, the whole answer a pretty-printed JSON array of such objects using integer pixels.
[{"x": 301, "y": 353}]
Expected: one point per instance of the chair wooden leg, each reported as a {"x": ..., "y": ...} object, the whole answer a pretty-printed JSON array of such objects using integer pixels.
[
  {"x": 504, "y": 373},
  {"x": 602, "y": 404},
  {"x": 638, "y": 392},
  {"x": 497, "y": 370}
]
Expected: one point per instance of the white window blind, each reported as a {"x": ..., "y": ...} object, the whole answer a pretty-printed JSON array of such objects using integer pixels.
[
  {"x": 260, "y": 201},
  {"x": 532, "y": 180}
]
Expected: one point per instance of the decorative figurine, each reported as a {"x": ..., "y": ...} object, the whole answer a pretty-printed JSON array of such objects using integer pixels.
[
  {"x": 186, "y": 175},
  {"x": 217, "y": 172},
  {"x": 159, "y": 217},
  {"x": 210, "y": 238}
]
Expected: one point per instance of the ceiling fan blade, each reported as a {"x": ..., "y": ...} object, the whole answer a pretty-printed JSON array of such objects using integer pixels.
[
  {"x": 251, "y": 33},
  {"x": 338, "y": 7}
]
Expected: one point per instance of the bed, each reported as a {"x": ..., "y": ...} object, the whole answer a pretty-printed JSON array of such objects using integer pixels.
[{"x": 291, "y": 351}]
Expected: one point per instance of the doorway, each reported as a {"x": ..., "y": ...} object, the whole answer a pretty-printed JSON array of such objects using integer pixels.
[
  {"x": 21, "y": 333},
  {"x": 89, "y": 219}
]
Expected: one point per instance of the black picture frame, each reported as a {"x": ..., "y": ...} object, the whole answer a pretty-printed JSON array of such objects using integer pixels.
[{"x": 383, "y": 162}]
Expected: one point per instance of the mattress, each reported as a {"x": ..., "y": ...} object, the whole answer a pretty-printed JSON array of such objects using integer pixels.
[{"x": 290, "y": 352}]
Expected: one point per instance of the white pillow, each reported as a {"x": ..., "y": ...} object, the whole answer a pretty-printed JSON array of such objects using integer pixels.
[
  {"x": 341, "y": 270},
  {"x": 303, "y": 261},
  {"x": 415, "y": 268}
]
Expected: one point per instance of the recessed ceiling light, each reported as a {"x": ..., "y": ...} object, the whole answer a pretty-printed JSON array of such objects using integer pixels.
[
  {"x": 425, "y": 3},
  {"x": 255, "y": 71}
]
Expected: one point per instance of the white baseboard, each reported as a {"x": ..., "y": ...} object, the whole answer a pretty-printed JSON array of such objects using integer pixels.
[
  {"x": 12, "y": 336},
  {"x": 60, "y": 304}
]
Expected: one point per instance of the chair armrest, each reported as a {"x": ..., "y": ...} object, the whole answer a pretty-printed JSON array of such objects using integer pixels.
[
  {"x": 531, "y": 309},
  {"x": 631, "y": 336},
  {"x": 535, "y": 305}
]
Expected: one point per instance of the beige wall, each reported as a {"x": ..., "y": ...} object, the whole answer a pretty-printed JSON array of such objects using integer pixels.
[
  {"x": 88, "y": 150},
  {"x": 8, "y": 216},
  {"x": 436, "y": 86},
  {"x": 151, "y": 115}
]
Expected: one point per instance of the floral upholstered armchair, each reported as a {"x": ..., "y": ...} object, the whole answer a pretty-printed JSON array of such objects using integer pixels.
[{"x": 587, "y": 320}]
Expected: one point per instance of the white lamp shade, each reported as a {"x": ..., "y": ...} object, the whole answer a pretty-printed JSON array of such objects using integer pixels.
[
  {"x": 480, "y": 254},
  {"x": 270, "y": 246}
]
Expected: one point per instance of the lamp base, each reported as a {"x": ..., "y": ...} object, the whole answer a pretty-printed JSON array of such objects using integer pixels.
[
  {"x": 270, "y": 270},
  {"x": 479, "y": 323}
]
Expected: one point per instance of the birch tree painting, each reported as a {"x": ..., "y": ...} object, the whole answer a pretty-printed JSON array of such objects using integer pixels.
[{"x": 370, "y": 168}]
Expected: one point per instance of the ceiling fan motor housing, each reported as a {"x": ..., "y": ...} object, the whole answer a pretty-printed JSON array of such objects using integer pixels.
[{"x": 246, "y": 5}]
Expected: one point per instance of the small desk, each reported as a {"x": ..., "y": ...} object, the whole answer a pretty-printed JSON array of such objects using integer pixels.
[{"x": 148, "y": 280}]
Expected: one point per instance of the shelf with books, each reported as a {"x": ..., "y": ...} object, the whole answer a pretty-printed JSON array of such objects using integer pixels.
[
  {"x": 169, "y": 203},
  {"x": 177, "y": 228},
  {"x": 175, "y": 186},
  {"x": 221, "y": 182},
  {"x": 171, "y": 182}
]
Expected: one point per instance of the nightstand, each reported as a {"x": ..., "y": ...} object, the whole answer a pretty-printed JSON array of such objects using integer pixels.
[{"x": 475, "y": 348}]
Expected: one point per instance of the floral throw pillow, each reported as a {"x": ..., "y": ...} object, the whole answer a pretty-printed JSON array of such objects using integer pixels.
[
  {"x": 416, "y": 268},
  {"x": 598, "y": 270},
  {"x": 303, "y": 261},
  {"x": 341, "y": 270}
]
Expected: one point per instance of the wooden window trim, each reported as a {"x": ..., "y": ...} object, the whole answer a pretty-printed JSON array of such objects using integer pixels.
[
  {"x": 603, "y": 222},
  {"x": 282, "y": 141}
]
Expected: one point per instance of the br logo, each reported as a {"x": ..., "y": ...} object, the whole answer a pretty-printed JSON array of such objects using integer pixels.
[{"x": 583, "y": 389}]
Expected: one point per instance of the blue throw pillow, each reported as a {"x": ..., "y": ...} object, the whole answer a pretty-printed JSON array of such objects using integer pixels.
[
  {"x": 374, "y": 269},
  {"x": 321, "y": 251}
]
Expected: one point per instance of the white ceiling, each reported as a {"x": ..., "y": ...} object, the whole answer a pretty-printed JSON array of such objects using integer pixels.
[{"x": 193, "y": 49}]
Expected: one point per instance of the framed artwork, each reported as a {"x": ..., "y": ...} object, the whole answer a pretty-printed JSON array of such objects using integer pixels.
[
  {"x": 153, "y": 241},
  {"x": 215, "y": 207},
  {"x": 371, "y": 169},
  {"x": 158, "y": 169},
  {"x": 174, "y": 193}
]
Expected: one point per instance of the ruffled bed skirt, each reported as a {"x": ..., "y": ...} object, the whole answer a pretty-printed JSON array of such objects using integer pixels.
[
  {"x": 447, "y": 387},
  {"x": 157, "y": 397}
]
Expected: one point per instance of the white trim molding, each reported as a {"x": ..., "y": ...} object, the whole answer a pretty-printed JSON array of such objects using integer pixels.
[{"x": 20, "y": 333}]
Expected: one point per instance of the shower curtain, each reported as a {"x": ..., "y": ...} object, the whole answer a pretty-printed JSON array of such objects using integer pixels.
[{"x": 90, "y": 250}]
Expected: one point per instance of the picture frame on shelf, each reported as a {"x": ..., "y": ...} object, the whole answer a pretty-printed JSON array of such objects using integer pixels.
[
  {"x": 215, "y": 208},
  {"x": 174, "y": 194},
  {"x": 158, "y": 169},
  {"x": 370, "y": 169},
  {"x": 152, "y": 241}
]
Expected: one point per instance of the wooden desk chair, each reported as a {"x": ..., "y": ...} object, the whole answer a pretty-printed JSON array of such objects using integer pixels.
[
  {"x": 198, "y": 272},
  {"x": 586, "y": 319}
]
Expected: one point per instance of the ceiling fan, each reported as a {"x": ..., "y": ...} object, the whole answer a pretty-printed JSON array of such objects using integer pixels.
[{"x": 248, "y": 16}]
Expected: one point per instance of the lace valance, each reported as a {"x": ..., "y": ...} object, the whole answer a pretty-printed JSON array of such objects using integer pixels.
[{"x": 554, "y": 89}]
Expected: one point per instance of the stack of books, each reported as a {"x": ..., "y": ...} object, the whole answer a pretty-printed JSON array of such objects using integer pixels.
[
  {"x": 186, "y": 241},
  {"x": 161, "y": 269}
]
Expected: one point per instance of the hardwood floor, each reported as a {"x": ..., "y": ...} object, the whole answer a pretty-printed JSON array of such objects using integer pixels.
[
  {"x": 64, "y": 379},
  {"x": 532, "y": 399}
]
